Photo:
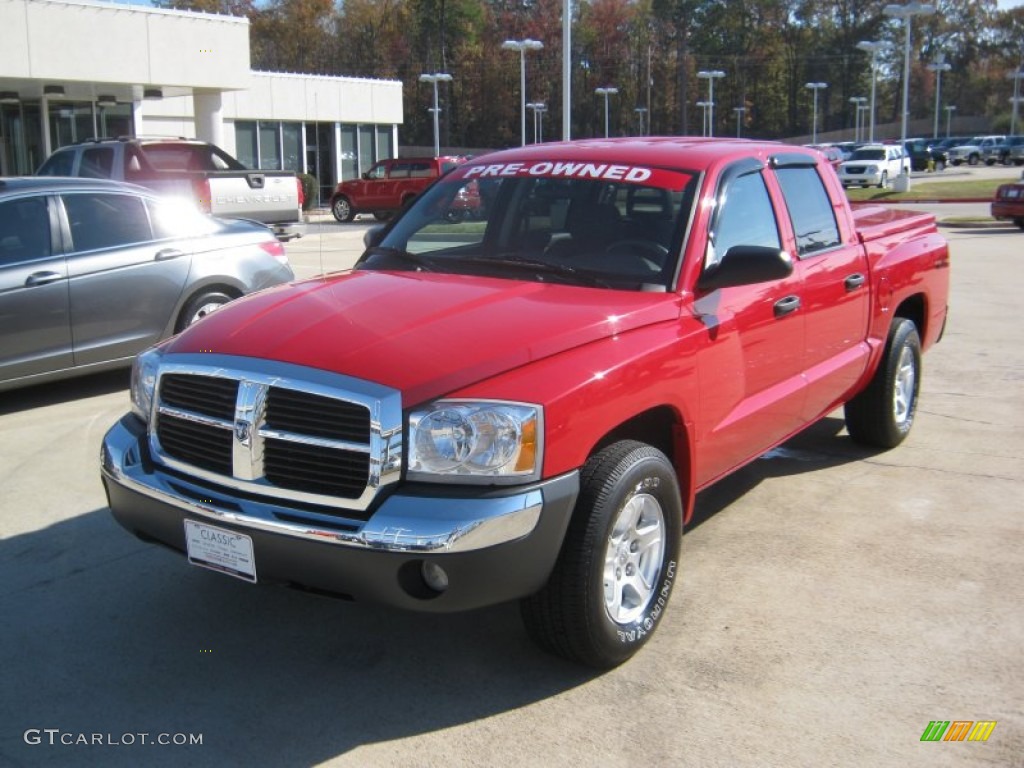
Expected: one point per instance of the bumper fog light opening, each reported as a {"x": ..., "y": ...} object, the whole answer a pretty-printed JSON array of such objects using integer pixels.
[{"x": 434, "y": 576}]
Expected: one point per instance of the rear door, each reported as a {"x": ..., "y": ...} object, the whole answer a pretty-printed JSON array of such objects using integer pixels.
[
  {"x": 124, "y": 284},
  {"x": 35, "y": 324},
  {"x": 833, "y": 270}
]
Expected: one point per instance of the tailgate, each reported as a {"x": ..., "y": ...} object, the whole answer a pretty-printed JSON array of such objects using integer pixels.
[{"x": 271, "y": 197}]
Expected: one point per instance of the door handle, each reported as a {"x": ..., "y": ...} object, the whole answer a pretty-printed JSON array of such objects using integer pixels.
[
  {"x": 853, "y": 282},
  {"x": 169, "y": 253},
  {"x": 785, "y": 306},
  {"x": 43, "y": 278}
]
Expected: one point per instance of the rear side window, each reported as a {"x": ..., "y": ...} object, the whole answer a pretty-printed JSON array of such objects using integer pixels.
[
  {"x": 24, "y": 230},
  {"x": 58, "y": 164},
  {"x": 97, "y": 163},
  {"x": 810, "y": 210},
  {"x": 102, "y": 220}
]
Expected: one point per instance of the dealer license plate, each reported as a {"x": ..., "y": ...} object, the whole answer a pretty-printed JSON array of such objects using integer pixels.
[{"x": 220, "y": 550}]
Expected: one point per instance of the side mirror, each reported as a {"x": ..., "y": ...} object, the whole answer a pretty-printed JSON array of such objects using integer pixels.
[
  {"x": 374, "y": 235},
  {"x": 747, "y": 265}
]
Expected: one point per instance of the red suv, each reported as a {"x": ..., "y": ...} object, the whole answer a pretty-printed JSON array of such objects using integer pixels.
[{"x": 388, "y": 186}]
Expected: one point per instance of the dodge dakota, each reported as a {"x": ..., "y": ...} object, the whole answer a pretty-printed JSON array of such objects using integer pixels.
[{"x": 522, "y": 406}]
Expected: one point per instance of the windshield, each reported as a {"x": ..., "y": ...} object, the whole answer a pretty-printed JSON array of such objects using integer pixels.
[
  {"x": 592, "y": 224},
  {"x": 868, "y": 154}
]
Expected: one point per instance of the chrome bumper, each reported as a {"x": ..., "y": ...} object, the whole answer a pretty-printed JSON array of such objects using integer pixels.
[{"x": 402, "y": 523}]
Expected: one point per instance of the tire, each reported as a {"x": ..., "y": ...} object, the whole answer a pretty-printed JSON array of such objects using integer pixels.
[
  {"x": 1019, "y": 222},
  {"x": 940, "y": 165},
  {"x": 342, "y": 209},
  {"x": 200, "y": 306},
  {"x": 882, "y": 415},
  {"x": 884, "y": 181},
  {"x": 383, "y": 215},
  {"x": 972, "y": 160},
  {"x": 613, "y": 578}
]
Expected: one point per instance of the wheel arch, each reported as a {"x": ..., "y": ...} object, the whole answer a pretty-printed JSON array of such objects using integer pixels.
[
  {"x": 915, "y": 309},
  {"x": 217, "y": 286}
]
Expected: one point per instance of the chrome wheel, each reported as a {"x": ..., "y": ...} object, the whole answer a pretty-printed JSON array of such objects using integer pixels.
[
  {"x": 633, "y": 558},
  {"x": 204, "y": 309},
  {"x": 904, "y": 387}
]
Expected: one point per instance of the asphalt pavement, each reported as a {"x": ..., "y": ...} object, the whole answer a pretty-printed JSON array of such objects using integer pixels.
[{"x": 833, "y": 602}]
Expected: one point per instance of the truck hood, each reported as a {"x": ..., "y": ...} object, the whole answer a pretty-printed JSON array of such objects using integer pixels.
[{"x": 425, "y": 334}]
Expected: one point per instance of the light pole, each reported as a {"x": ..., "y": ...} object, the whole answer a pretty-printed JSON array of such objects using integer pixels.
[
  {"x": 874, "y": 49},
  {"x": 739, "y": 118},
  {"x": 938, "y": 67},
  {"x": 858, "y": 104},
  {"x": 704, "y": 117},
  {"x": 539, "y": 108},
  {"x": 606, "y": 91},
  {"x": 522, "y": 46},
  {"x": 1016, "y": 99},
  {"x": 950, "y": 109},
  {"x": 640, "y": 112},
  {"x": 907, "y": 13},
  {"x": 815, "y": 87},
  {"x": 711, "y": 75},
  {"x": 437, "y": 77}
]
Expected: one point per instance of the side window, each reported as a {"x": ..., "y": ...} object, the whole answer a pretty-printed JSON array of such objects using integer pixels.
[
  {"x": 810, "y": 210},
  {"x": 746, "y": 217},
  {"x": 24, "y": 230},
  {"x": 58, "y": 164},
  {"x": 97, "y": 163},
  {"x": 399, "y": 171},
  {"x": 420, "y": 170},
  {"x": 134, "y": 167},
  {"x": 378, "y": 171},
  {"x": 102, "y": 220}
]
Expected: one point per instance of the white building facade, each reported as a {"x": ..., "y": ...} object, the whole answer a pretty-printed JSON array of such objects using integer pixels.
[{"x": 72, "y": 70}]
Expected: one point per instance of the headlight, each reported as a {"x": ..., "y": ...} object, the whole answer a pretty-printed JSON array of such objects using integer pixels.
[
  {"x": 872, "y": 169},
  {"x": 144, "y": 373},
  {"x": 475, "y": 442}
]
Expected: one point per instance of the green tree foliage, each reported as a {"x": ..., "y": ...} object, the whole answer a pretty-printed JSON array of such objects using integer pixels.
[{"x": 651, "y": 50}]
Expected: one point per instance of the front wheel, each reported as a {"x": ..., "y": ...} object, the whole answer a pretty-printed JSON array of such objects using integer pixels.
[
  {"x": 342, "y": 209},
  {"x": 611, "y": 584},
  {"x": 883, "y": 413},
  {"x": 884, "y": 181}
]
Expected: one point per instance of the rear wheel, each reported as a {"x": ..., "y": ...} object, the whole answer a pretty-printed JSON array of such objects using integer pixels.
[
  {"x": 883, "y": 413},
  {"x": 342, "y": 209},
  {"x": 199, "y": 307},
  {"x": 611, "y": 584},
  {"x": 884, "y": 181}
]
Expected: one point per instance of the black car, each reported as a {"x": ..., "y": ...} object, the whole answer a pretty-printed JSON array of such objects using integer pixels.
[{"x": 925, "y": 155}]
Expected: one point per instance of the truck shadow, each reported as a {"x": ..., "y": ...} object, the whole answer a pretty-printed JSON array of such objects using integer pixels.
[
  {"x": 104, "y": 634},
  {"x": 818, "y": 447}
]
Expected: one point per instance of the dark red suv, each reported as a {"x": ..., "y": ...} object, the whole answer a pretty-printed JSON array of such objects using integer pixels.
[{"x": 388, "y": 186}]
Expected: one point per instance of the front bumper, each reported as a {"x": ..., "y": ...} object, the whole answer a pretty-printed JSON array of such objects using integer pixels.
[{"x": 494, "y": 544}]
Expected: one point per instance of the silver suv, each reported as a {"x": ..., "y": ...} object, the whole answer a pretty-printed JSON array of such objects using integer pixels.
[{"x": 973, "y": 152}]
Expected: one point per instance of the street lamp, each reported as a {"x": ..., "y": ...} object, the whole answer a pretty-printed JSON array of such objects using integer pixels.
[
  {"x": 640, "y": 112},
  {"x": 739, "y": 118},
  {"x": 815, "y": 87},
  {"x": 704, "y": 117},
  {"x": 522, "y": 46},
  {"x": 907, "y": 13},
  {"x": 539, "y": 108},
  {"x": 1016, "y": 98},
  {"x": 938, "y": 67},
  {"x": 437, "y": 77},
  {"x": 874, "y": 49},
  {"x": 711, "y": 75},
  {"x": 858, "y": 104},
  {"x": 950, "y": 109},
  {"x": 606, "y": 91}
]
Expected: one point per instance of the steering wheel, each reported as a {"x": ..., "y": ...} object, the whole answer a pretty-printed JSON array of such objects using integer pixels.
[{"x": 650, "y": 253}]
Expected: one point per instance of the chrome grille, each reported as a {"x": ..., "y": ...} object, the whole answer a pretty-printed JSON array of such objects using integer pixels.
[{"x": 292, "y": 438}]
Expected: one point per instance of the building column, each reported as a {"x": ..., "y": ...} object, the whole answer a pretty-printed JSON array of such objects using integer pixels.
[{"x": 209, "y": 118}]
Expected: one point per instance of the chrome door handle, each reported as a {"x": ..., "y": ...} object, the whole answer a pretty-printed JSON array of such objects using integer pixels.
[
  {"x": 43, "y": 278},
  {"x": 853, "y": 282},
  {"x": 785, "y": 306}
]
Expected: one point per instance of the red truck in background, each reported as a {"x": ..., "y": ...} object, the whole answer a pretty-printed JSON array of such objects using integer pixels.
[{"x": 524, "y": 405}]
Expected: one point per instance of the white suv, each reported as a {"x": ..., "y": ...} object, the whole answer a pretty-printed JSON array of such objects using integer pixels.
[{"x": 874, "y": 165}]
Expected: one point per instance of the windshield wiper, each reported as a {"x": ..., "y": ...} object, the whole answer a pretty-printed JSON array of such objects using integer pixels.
[
  {"x": 537, "y": 268},
  {"x": 421, "y": 263}
]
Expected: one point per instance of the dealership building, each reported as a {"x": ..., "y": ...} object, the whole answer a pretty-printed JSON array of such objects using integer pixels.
[{"x": 72, "y": 70}]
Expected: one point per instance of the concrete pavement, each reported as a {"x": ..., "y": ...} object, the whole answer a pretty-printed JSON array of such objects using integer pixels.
[{"x": 832, "y": 603}]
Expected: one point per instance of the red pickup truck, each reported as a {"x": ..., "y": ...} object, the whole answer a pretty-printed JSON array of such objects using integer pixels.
[{"x": 523, "y": 405}]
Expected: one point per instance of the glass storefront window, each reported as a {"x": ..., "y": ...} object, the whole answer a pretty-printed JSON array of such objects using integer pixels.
[
  {"x": 246, "y": 145},
  {"x": 349, "y": 153},
  {"x": 367, "y": 147},
  {"x": 270, "y": 146},
  {"x": 385, "y": 146},
  {"x": 291, "y": 142},
  {"x": 70, "y": 122}
]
